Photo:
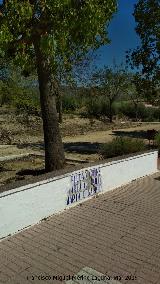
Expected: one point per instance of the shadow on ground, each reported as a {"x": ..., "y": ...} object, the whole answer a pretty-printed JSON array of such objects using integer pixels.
[
  {"x": 82, "y": 147},
  {"x": 31, "y": 172},
  {"x": 74, "y": 147},
  {"x": 133, "y": 134}
]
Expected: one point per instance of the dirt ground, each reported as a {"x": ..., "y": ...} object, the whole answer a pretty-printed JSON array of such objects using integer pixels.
[{"x": 23, "y": 138}]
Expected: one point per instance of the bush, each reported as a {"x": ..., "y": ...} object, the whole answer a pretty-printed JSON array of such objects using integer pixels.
[
  {"x": 121, "y": 146},
  {"x": 27, "y": 102},
  {"x": 126, "y": 109},
  {"x": 149, "y": 114},
  {"x": 7, "y": 91},
  {"x": 157, "y": 114},
  {"x": 98, "y": 108},
  {"x": 145, "y": 114},
  {"x": 93, "y": 108},
  {"x": 69, "y": 103}
]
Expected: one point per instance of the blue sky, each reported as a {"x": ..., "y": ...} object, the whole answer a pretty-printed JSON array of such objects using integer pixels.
[{"x": 121, "y": 34}]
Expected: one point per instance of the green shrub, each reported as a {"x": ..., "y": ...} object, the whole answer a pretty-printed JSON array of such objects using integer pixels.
[
  {"x": 115, "y": 108},
  {"x": 98, "y": 107},
  {"x": 120, "y": 146},
  {"x": 69, "y": 103},
  {"x": 145, "y": 114},
  {"x": 27, "y": 102},
  {"x": 157, "y": 114},
  {"x": 7, "y": 92},
  {"x": 126, "y": 109},
  {"x": 93, "y": 108}
]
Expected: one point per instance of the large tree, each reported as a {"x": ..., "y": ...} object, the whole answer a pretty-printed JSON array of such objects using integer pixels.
[
  {"x": 44, "y": 34},
  {"x": 146, "y": 57}
]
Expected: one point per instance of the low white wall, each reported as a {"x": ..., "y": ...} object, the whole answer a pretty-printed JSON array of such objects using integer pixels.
[{"x": 29, "y": 204}]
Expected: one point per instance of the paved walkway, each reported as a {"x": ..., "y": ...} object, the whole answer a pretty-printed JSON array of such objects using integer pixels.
[{"x": 116, "y": 235}]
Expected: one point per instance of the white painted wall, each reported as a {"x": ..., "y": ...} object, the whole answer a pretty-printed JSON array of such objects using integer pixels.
[
  {"x": 27, "y": 205},
  {"x": 120, "y": 172}
]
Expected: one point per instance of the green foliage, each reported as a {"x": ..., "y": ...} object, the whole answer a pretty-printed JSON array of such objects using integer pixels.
[
  {"x": 121, "y": 146},
  {"x": 69, "y": 103},
  {"x": 49, "y": 35},
  {"x": 145, "y": 89},
  {"x": 97, "y": 107},
  {"x": 8, "y": 90},
  {"x": 147, "y": 55},
  {"x": 148, "y": 114},
  {"x": 93, "y": 108},
  {"x": 140, "y": 112},
  {"x": 27, "y": 102},
  {"x": 157, "y": 114},
  {"x": 5, "y": 94},
  {"x": 65, "y": 30},
  {"x": 111, "y": 82},
  {"x": 127, "y": 109}
]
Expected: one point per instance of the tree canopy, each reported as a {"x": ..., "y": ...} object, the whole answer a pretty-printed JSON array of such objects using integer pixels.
[
  {"x": 111, "y": 82},
  {"x": 67, "y": 29},
  {"x": 146, "y": 57},
  {"x": 48, "y": 35}
]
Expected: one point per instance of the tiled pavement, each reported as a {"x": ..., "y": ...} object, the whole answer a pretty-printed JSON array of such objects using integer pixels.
[{"x": 116, "y": 234}]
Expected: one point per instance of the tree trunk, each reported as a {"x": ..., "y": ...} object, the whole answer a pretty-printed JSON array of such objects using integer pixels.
[
  {"x": 59, "y": 107},
  {"x": 54, "y": 152}
]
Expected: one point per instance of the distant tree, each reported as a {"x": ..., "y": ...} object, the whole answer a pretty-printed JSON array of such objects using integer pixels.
[
  {"x": 44, "y": 34},
  {"x": 134, "y": 91},
  {"x": 78, "y": 76},
  {"x": 146, "y": 57},
  {"x": 111, "y": 82},
  {"x": 146, "y": 89}
]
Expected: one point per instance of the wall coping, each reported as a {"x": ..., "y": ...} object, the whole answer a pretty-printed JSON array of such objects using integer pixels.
[{"x": 34, "y": 182}]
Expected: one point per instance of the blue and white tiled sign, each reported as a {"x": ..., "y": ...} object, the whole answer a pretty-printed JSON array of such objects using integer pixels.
[{"x": 84, "y": 184}]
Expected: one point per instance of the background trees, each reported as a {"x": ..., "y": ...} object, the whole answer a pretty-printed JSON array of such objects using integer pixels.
[
  {"x": 146, "y": 57},
  {"x": 111, "y": 82},
  {"x": 45, "y": 34}
]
